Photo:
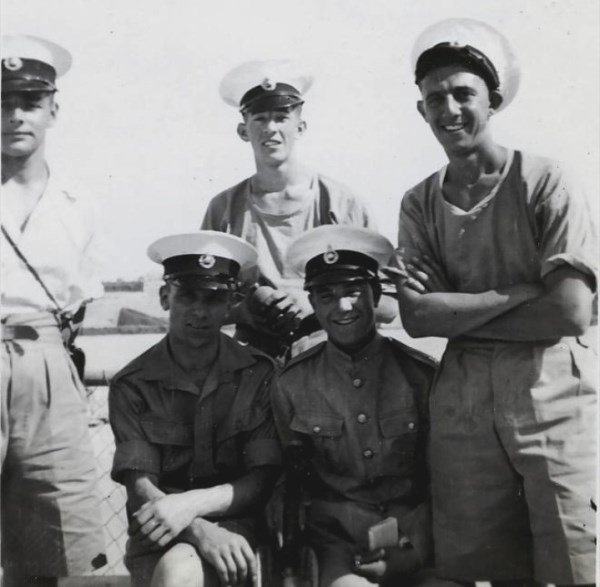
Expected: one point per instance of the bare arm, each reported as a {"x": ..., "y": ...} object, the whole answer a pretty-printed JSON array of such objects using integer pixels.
[
  {"x": 450, "y": 314},
  {"x": 565, "y": 309},
  {"x": 562, "y": 306},
  {"x": 171, "y": 514}
]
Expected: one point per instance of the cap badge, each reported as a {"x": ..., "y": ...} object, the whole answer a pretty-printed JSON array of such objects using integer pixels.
[
  {"x": 330, "y": 256},
  {"x": 206, "y": 261},
  {"x": 268, "y": 84},
  {"x": 12, "y": 63}
]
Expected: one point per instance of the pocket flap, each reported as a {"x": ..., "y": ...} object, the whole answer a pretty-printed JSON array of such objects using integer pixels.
[
  {"x": 399, "y": 424},
  {"x": 166, "y": 432},
  {"x": 239, "y": 423},
  {"x": 318, "y": 424}
]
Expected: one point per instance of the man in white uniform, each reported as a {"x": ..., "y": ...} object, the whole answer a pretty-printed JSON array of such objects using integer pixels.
[{"x": 50, "y": 513}]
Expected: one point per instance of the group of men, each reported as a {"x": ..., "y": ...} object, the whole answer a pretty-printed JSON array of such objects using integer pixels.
[{"x": 481, "y": 468}]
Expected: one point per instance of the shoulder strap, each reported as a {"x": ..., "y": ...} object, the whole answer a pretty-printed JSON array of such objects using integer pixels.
[
  {"x": 326, "y": 214},
  {"x": 236, "y": 208},
  {"x": 33, "y": 272}
]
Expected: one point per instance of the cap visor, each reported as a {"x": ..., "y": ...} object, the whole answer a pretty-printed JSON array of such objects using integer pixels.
[
  {"x": 340, "y": 276},
  {"x": 200, "y": 282},
  {"x": 27, "y": 85},
  {"x": 271, "y": 103}
]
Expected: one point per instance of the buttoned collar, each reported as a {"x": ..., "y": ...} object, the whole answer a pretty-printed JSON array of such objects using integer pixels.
[
  {"x": 159, "y": 365},
  {"x": 367, "y": 353}
]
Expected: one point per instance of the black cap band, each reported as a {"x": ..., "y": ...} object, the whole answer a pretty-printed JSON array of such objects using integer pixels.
[
  {"x": 444, "y": 54},
  {"x": 270, "y": 96},
  {"x": 212, "y": 268},
  {"x": 338, "y": 267},
  {"x": 23, "y": 75}
]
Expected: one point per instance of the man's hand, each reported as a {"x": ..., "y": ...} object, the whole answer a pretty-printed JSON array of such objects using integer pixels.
[
  {"x": 421, "y": 274},
  {"x": 387, "y": 563},
  {"x": 275, "y": 309},
  {"x": 162, "y": 519},
  {"x": 229, "y": 553}
]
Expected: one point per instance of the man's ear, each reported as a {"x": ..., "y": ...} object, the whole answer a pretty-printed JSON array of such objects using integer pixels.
[
  {"x": 163, "y": 294},
  {"x": 302, "y": 126},
  {"x": 243, "y": 132},
  {"x": 421, "y": 109},
  {"x": 496, "y": 100},
  {"x": 311, "y": 300},
  {"x": 53, "y": 113}
]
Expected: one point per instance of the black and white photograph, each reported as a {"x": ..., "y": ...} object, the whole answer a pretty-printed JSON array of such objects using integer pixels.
[{"x": 299, "y": 294}]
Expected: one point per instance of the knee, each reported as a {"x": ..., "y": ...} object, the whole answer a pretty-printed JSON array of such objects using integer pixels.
[{"x": 181, "y": 566}]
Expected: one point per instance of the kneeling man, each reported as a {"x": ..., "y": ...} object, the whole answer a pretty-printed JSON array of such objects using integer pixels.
[
  {"x": 358, "y": 405},
  {"x": 196, "y": 445}
]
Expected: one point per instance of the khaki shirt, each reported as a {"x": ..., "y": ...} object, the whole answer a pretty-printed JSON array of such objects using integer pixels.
[
  {"x": 365, "y": 420},
  {"x": 190, "y": 436}
]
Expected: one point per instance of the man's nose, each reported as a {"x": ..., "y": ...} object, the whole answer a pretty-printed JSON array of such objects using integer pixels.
[
  {"x": 344, "y": 304},
  {"x": 13, "y": 113},
  {"x": 452, "y": 106},
  {"x": 199, "y": 309},
  {"x": 271, "y": 125}
]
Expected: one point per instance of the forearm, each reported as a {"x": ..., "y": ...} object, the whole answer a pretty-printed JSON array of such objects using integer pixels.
[
  {"x": 451, "y": 314},
  {"x": 141, "y": 488},
  {"x": 564, "y": 310},
  {"x": 232, "y": 498}
]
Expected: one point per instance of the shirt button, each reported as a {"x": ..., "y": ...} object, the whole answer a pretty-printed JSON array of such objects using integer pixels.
[
  {"x": 316, "y": 429},
  {"x": 411, "y": 425},
  {"x": 368, "y": 453},
  {"x": 361, "y": 418},
  {"x": 357, "y": 382}
]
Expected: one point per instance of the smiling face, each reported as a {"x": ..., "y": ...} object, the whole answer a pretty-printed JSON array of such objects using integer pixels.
[
  {"x": 272, "y": 134},
  {"x": 346, "y": 311},
  {"x": 457, "y": 105},
  {"x": 25, "y": 118},
  {"x": 195, "y": 315}
]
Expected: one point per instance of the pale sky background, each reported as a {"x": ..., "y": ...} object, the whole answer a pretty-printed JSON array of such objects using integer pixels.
[{"x": 143, "y": 127}]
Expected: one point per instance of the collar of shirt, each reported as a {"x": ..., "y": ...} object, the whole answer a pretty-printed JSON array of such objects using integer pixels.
[
  {"x": 51, "y": 201},
  {"x": 159, "y": 365},
  {"x": 367, "y": 353}
]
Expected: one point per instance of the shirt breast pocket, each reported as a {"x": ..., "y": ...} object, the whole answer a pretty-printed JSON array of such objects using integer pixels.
[
  {"x": 174, "y": 440},
  {"x": 232, "y": 436},
  {"x": 325, "y": 433},
  {"x": 400, "y": 436}
]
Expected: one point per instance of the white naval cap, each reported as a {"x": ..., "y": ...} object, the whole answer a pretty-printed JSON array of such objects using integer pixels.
[
  {"x": 208, "y": 258},
  {"x": 338, "y": 253},
  {"x": 31, "y": 63},
  {"x": 257, "y": 86},
  {"x": 475, "y": 43}
]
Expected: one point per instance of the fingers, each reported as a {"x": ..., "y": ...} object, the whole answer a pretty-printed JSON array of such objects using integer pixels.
[
  {"x": 372, "y": 565},
  {"x": 144, "y": 514},
  {"x": 371, "y": 571},
  {"x": 233, "y": 559}
]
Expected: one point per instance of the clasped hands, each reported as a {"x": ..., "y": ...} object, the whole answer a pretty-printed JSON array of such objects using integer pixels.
[{"x": 160, "y": 520}]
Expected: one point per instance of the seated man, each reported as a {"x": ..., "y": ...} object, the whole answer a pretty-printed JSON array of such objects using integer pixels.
[
  {"x": 358, "y": 404},
  {"x": 196, "y": 445}
]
